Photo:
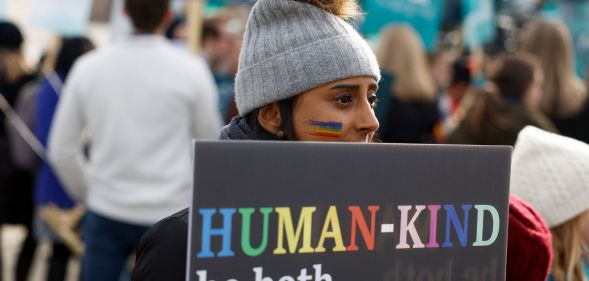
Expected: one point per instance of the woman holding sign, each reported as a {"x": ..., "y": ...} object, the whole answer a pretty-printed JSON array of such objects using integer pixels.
[{"x": 304, "y": 74}]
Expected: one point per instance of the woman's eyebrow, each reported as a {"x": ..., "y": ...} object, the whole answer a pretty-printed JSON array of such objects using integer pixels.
[
  {"x": 372, "y": 86},
  {"x": 345, "y": 86}
]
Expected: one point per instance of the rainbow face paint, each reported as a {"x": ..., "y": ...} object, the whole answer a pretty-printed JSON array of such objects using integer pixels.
[{"x": 325, "y": 129}]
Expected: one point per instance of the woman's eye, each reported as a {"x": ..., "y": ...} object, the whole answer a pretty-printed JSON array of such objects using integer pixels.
[
  {"x": 373, "y": 100},
  {"x": 345, "y": 99}
]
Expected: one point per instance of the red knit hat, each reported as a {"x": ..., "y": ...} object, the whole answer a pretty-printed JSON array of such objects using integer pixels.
[{"x": 529, "y": 243}]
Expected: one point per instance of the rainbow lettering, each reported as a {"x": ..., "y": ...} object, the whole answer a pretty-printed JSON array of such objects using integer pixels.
[{"x": 292, "y": 237}]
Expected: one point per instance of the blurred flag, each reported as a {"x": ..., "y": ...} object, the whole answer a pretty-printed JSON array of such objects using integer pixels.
[
  {"x": 120, "y": 25},
  {"x": 424, "y": 16},
  {"x": 520, "y": 7},
  {"x": 574, "y": 14},
  {"x": 3, "y": 9},
  {"x": 480, "y": 22},
  {"x": 229, "y": 2},
  {"x": 65, "y": 17}
]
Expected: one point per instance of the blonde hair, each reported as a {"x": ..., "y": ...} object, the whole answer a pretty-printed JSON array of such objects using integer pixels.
[
  {"x": 345, "y": 9},
  {"x": 564, "y": 93},
  {"x": 14, "y": 64},
  {"x": 401, "y": 52},
  {"x": 568, "y": 245}
]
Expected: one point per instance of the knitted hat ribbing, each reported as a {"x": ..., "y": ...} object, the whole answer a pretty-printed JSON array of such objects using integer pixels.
[
  {"x": 290, "y": 47},
  {"x": 551, "y": 172},
  {"x": 529, "y": 243}
]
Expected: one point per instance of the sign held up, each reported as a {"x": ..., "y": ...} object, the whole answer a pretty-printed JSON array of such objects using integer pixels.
[{"x": 268, "y": 211}]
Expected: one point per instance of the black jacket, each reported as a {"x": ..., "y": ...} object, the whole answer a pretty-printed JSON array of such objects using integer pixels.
[
  {"x": 576, "y": 126},
  {"x": 404, "y": 122},
  {"x": 16, "y": 184},
  {"x": 162, "y": 251},
  {"x": 410, "y": 122},
  {"x": 161, "y": 255}
]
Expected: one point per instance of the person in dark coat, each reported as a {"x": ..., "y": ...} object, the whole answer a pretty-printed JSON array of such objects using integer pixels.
[
  {"x": 408, "y": 109},
  {"x": 16, "y": 184},
  {"x": 48, "y": 189},
  {"x": 506, "y": 106},
  {"x": 328, "y": 98},
  {"x": 566, "y": 98}
]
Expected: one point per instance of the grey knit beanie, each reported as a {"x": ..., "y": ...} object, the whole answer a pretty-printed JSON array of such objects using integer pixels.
[{"x": 290, "y": 47}]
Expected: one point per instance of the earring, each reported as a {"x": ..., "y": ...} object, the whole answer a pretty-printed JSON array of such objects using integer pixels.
[{"x": 280, "y": 134}]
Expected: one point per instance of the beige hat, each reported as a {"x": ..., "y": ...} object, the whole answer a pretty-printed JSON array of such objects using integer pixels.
[{"x": 551, "y": 172}]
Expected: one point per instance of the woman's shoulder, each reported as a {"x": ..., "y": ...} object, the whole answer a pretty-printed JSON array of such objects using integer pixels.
[
  {"x": 161, "y": 254},
  {"x": 170, "y": 225}
]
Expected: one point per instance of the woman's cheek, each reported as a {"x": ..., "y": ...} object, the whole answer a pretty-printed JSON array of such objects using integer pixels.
[{"x": 324, "y": 128}]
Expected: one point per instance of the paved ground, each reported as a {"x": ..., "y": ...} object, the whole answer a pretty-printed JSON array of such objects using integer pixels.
[{"x": 12, "y": 237}]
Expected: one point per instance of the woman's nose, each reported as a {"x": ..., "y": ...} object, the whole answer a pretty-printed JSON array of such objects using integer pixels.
[{"x": 366, "y": 121}]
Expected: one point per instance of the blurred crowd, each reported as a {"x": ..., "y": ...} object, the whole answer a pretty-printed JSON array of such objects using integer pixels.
[{"x": 79, "y": 104}]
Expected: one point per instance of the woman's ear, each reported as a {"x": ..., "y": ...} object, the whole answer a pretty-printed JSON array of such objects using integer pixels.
[{"x": 269, "y": 118}]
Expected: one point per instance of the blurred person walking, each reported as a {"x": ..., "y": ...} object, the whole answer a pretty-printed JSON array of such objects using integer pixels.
[
  {"x": 460, "y": 84},
  {"x": 141, "y": 102},
  {"x": 16, "y": 183},
  {"x": 509, "y": 103},
  {"x": 225, "y": 79},
  {"x": 221, "y": 48},
  {"x": 565, "y": 99},
  {"x": 215, "y": 41},
  {"x": 294, "y": 91},
  {"x": 408, "y": 109},
  {"x": 495, "y": 115},
  {"x": 551, "y": 172},
  {"x": 48, "y": 190}
]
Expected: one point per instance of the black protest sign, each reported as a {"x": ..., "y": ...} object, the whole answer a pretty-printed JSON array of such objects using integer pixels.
[{"x": 268, "y": 211}]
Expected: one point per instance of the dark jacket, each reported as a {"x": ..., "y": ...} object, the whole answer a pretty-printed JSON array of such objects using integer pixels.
[
  {"x": 404, "y": 122},
  {"x": 410, "y": 122},
  {"x": 161, "y": 255},
  {"x": 576, "y": 126},
  {"x": 495, "y": 121},
  {"x": 16, "y": 184}
]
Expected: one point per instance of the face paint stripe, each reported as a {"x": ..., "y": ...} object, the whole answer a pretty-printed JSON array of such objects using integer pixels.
[
  {"x": 336, "y": 126},
  {"x": 325, "y": 134},
  {"x": 326, "y": 129}
]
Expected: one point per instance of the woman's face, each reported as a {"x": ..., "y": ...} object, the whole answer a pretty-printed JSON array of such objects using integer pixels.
[{"x": 338, "y": 111}]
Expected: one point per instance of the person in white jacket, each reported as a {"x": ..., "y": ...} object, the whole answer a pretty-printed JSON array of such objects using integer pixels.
[{"x": 140, "y": 103}]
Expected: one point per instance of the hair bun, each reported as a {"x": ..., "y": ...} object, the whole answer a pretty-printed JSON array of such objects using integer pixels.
[{"x": 345, "y": 9}]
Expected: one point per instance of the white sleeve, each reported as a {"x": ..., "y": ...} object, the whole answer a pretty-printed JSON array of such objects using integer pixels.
[
  {"x": 207, "y": 118},
  {"x": 65, "y": 140}
]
